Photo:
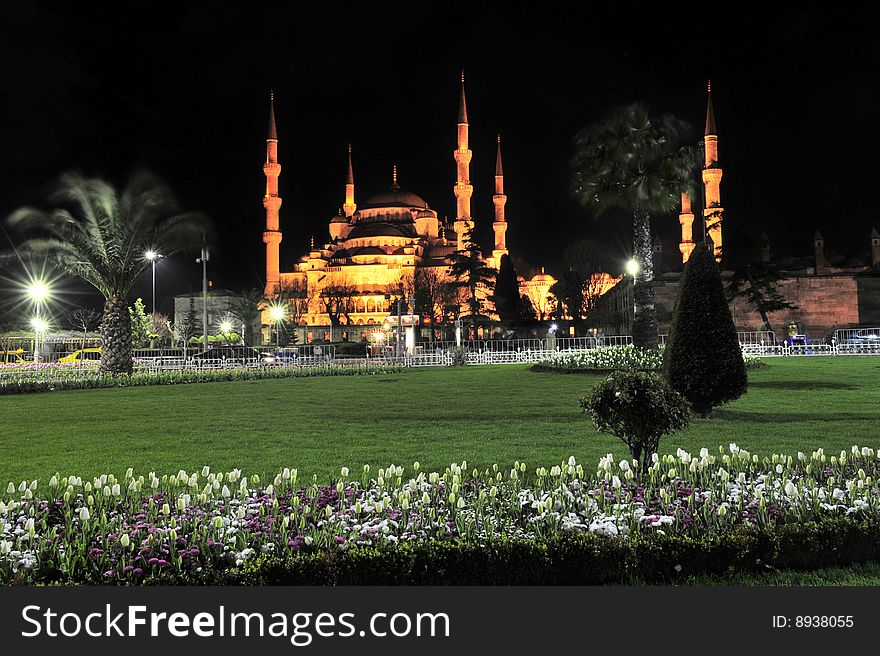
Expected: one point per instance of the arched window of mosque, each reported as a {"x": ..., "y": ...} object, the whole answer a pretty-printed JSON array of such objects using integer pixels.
[
  {"x": 310, "y": 336},
  {"x": 371, "y": 305}
]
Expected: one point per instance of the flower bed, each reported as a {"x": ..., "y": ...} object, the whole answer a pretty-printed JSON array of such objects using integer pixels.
[
  {"x": 55, "y": 379},
  {"x": 615, "y": 358},
  {"x": 603, "y": 360},
  {"x": 227, "y": 527}
]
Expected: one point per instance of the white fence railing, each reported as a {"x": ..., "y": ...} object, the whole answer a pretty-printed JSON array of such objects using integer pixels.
[{"x": 79, "y": 363}]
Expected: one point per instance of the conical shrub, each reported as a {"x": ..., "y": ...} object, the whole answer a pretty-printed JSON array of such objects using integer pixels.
[{"x": 703, "y": 360}]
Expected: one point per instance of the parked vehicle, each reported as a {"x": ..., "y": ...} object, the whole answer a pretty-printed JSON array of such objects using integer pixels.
[
  {"x": 12, "y": 357},
  {"x": 286, "y": 356},
  {"x": 864, "y": 337},
  {"x": 83, "y": 355}
]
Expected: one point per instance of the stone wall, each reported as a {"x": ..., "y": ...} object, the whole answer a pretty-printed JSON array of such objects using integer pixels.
[{"x": 825, "y": 303}]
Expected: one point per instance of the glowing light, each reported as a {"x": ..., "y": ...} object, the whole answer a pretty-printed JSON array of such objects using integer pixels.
[
  {"x": 277, "y": 312},
  {"x": 553, "y": 327},
  {"x": 632, "y": 267},
  {"x": 39, "y": 325},
  {"x": 151, "y": 255},
  {"x": 225, "y": 327},
  {"x": 38, "y": 291}
]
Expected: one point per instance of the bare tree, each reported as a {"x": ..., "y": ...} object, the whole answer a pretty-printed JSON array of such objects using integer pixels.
[
  {"x": 247, "y": 308},
  {"x": 160, "y": 329},
  {"x": 434, "y": 292},
  {"x": 84, "y": 319},
  {"x": 337, "y": 297},
  {"x": 297, "y": 297}
]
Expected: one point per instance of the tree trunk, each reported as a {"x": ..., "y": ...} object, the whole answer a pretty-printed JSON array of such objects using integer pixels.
[
  {"x": 644, "y": 329},
  {"x": 116, "y": 338}
]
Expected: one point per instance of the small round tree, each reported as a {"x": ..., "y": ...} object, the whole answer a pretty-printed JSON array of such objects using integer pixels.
[
  {"x": 639, "y": 408},
  {"x": 703, "y": 359}
]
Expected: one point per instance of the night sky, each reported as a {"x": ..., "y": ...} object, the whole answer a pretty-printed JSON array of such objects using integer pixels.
[{"x": 182, "y": 89}]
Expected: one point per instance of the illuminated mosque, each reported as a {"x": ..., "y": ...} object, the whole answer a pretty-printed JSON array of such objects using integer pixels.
[{"x": 375, "y": 243}]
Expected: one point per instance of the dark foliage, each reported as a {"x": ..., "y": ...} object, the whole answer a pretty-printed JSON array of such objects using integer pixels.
[
  {"x": 757, "y": 283},
  {"x": 526, "y": 309},
  {"x": 639, "y": 408},
  {"x": 640, "y": 163},
  {"x": 703, "y": 360},
  {"x": 506, "y": 296},
  {"x": 561, "y": 560}
]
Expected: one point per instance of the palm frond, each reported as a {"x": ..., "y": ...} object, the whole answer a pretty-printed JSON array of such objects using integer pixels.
[{"x": 100, "y": 236}]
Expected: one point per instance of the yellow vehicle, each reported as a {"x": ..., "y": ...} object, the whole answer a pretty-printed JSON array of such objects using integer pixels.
[
  {"x": 12, "y": 357},
  {"x": 83, "y": 355}
]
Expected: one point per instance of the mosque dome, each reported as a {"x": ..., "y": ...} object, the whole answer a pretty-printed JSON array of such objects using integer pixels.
[{"x": 395, "y": 197}]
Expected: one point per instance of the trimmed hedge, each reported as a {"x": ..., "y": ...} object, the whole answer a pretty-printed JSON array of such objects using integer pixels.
[
  {"x": 586, "y": 559},
  {"x": 703, "y": 358}
]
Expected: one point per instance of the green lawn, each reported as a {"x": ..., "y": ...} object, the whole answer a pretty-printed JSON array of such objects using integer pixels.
[{"x": 481, "y": 414}]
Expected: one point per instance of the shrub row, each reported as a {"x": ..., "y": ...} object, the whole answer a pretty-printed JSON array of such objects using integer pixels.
[
  {"x": 11, "y": 385},
  {"x": 585, "y": 559},
  {"x": 615, "y": 358},
  {"x": 582, "y": 559}
]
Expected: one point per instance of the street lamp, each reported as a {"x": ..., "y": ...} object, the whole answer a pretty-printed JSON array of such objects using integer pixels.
[
  {"x": 39, "y": 293},
  {"x": 632, "y": 267},
  {"x": 152, "y": 256},
  {"x": 277, "y": 314},
  {"x": 225, "y": 329}
]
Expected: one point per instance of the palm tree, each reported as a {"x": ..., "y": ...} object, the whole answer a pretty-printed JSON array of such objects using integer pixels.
[
  {"x": 247, "y": 308},
  {"x": 97, "y": 235},
  {"x": 638, "y": 163}
]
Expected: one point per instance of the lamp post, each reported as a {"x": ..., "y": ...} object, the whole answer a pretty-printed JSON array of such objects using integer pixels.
[
  {"x": 39, "y": 292},
  {"x": 632, "y": 268},
  {"x": 277, "y": 313},
  {"x": 152, "y": 256},
  {"x": 204, "y": 262}
]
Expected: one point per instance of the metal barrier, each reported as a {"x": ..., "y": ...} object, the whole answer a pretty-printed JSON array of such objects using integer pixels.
[
  {"x": 438, "y": 358},
  {"x": 512, "y": 345},
  {"x": 758, "y": 337},
  {"x": 857, "y": 341},
  {"x": 613, "y": 340},
  {"x": 763, "y": 350},
  {"x": 575, "y": 343}
]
